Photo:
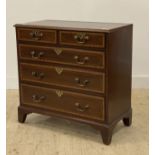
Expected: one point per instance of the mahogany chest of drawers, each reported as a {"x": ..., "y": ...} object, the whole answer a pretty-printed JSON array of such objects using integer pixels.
[{"x": 76, "y": 70}]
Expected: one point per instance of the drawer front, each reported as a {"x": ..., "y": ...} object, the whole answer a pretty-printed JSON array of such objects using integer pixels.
[
  {"x": 62, "y": 55},
  {"x": 36, "y": 35},
  {"x": 79, "y": 79},
  {"x": 63, "y": 101},
  {"x": 83, "y": 39}
]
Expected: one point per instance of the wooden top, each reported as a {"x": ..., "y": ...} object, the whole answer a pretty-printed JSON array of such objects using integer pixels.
[{"x": 74, "y": 25}]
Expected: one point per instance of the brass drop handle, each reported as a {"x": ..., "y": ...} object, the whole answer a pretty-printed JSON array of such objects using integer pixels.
[
  {"x": 81, "y": 61},
  {"x": 81, "y": 83},
  {"x": 81, "y": 108},
  {"x": 36, "y": 35},
  {"x": 36, "y": 55},
  {"x": 37, "y": 98},
  {"x": 81, "y": 38},
  {"x": 39, "y": 75}
]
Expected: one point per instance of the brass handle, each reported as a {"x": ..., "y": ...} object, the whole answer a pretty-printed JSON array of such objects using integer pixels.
[
  {"x": 36, "y": 35},
  {"x": 81, "y": 108},
  {"x": 36, "y": 55},
  {"x": 37, "y": 98},
  {"x": 39, "y": 75},
  {"x": 81, "y": 83},
  {"x": 81, "y": 61},
  {"x": 81, "y": 38}
]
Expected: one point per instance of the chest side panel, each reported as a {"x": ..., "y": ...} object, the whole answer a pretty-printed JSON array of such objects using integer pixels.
[{"x": 118, "y": 73}]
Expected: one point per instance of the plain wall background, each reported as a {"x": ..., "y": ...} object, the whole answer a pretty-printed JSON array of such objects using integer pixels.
[{"x": 125, "y": 11}]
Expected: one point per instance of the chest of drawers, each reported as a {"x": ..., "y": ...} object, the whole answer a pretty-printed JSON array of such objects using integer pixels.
[{"x": 76, "y": 70}]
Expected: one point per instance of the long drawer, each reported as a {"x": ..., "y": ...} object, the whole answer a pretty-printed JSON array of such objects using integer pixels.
[
  {"x": 63, "y": 101},
  {"x": 71, "y": 56},
  {"x": 62, "y": 76}
]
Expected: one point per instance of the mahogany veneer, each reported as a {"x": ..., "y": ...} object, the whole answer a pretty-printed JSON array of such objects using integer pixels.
[{"x": 76, "y": 70}]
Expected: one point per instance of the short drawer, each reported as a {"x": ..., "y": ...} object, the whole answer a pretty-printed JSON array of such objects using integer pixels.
[
  {"x": 36, "y": 35},
  {"x": 63, "y": 101},
  {"x": 62, "y": 55},
  {"x": 67, "y": 77},
  {"x": 83, "y": 39}
]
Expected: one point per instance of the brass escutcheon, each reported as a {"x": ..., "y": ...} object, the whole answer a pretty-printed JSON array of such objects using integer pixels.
[
  {"x": 58, "y": 51},
  {"x": 59, "y": 93},
  {"x": 59, "y": 70}
]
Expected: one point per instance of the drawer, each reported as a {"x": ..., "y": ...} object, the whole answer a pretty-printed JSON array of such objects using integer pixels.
[
  {"x": 67, "y": 77},
  {"x": 62, "y": 55},
  {"x": 36, "y": 35},
  {"x": 63, "y": 101},
  {"x": 83, "y": 39}
]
